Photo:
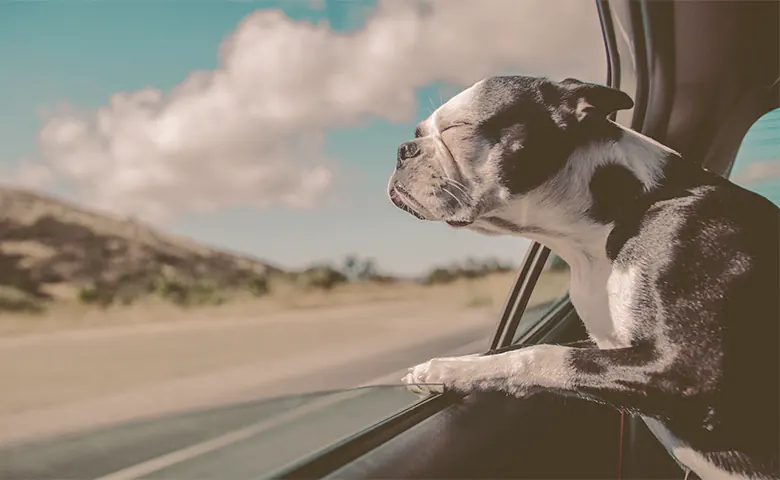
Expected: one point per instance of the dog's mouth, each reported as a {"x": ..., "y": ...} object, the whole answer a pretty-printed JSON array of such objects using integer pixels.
[
  {"x": 402, "y": 200},
  {"x": 406, "y": 202},
  {"x": 458, "y": 223}
]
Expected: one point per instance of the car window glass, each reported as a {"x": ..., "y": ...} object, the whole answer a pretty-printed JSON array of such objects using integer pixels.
[
  {"x": 552, "y": 286},
  {"x": 757, "y": 165}
]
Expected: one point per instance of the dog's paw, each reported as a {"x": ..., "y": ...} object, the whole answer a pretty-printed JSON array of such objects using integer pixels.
[{"x": 440, "y": 374}]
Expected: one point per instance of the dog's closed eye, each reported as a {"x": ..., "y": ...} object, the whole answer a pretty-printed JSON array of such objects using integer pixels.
[{"x": 454, "y": 125}]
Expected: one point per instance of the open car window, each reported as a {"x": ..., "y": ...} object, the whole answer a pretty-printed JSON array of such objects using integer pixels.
[
  {"x": 142, "y": 328},
  {"x": 258, "y": 439},
  {"x": 757, "y": 165},
  {"x": 550, "y": 289}
]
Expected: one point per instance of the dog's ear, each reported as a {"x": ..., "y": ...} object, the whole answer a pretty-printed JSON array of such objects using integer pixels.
[{"x": 594, "y": 99}]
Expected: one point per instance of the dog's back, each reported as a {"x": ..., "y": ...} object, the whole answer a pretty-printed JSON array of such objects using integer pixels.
[{"x": 713, "y": 250}]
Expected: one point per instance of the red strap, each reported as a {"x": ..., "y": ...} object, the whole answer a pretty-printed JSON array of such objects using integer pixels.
[{"x": 620, "y": 451}]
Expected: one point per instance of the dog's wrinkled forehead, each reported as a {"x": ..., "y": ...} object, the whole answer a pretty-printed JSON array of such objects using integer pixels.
[
  {"x": 497, "y": 95},
  {"x": 529, "y": 125}
]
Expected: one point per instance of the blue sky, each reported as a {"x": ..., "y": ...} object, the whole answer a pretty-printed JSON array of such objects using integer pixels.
[
  {"x": 757, "y": 165},
  {"x": 80, "y": 53}
]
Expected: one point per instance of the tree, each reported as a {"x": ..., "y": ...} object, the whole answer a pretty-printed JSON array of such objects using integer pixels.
[
  {"x": 356, "y": 269},
  {"x": 350, "y": 268},
  {"x": 367, "y": 269}
]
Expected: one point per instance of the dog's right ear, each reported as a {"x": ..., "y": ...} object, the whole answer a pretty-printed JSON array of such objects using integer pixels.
[{"x": 594, "y": 99}]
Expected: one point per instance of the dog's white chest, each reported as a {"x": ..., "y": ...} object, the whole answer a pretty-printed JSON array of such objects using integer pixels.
[
  {"x": 602, "y": 298},
  {"x": 622, "y": 291}
]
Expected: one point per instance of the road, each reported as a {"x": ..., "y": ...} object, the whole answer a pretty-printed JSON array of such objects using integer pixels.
[
  {"x": 236, "y": 441},
  {"x": 166, "y": 400},
  {"x": 72, "y": 381}
]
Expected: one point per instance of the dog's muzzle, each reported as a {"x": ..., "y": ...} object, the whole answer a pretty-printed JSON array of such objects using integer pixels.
[{"x": 395, "y": 197}]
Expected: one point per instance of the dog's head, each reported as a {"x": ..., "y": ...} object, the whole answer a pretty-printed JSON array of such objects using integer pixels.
[{"x": 498, "y": 140}]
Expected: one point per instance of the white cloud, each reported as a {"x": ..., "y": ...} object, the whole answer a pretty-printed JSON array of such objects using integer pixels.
[
  {"x": 250, "y": 132},
  {"x": 757, "y": 172}
]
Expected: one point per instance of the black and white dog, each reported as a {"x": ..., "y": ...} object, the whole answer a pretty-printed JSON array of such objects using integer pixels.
[{"x": 674, "y": 270}]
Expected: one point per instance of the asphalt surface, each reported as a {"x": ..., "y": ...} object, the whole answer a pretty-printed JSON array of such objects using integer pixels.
[
  {"x": 263, "y": 430},
  {"x": 78, "y": 380}
]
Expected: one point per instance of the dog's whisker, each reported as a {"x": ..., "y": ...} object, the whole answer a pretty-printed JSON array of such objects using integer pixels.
[
  {"x": 461, "y": 192},
  {"x": 459, "y": 187},
  {"x": 445, "y": 190},
  {"x": 456, "y": 183}
]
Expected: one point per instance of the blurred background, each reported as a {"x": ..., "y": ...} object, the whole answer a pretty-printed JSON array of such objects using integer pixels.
[{"x": 193, "y": 207}]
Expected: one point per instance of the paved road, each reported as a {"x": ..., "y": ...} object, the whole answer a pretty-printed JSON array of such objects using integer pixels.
[
  {"x": 241, "y": 440},
  {"x": 53, "y": 384},
  {"x": 88, "y": 403}
]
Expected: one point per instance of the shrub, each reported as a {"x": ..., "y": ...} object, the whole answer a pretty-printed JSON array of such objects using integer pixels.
[
  {"x": 201, "y": 292},
  {"x": 172, "y": 289},
  {"x": 440, "y": 276},
  {"x": 258, "y": 285},
  {"x": 204, "y": 292},
  {"x": 15, "y": 300},
  {"x": 322, "y": 277},
  {"x": 94, "y": 294},
  {"x": 469, "y": 269}
]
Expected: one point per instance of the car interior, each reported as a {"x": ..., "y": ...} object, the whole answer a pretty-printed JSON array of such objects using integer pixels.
[{"x": 701, "y": 73}]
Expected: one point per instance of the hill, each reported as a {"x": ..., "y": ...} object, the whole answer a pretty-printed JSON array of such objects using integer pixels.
[{"x": 51, "y": 249}]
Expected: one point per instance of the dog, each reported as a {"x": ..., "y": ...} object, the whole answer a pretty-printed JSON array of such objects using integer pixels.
[{"x": 674, "y": 269}]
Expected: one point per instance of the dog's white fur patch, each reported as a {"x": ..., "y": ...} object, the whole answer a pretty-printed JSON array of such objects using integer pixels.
[{"x": 621, "y": 291}]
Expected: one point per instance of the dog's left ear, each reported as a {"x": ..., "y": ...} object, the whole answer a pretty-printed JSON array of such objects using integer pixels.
[{"x": 594, "y": 99}]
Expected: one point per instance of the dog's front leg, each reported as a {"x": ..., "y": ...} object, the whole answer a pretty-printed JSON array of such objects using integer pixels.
[
  {"x": 615, "y": 376},
  {"x": 512, "y": 372}
]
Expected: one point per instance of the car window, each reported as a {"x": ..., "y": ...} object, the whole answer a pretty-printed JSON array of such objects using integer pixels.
[
  {"x": 551, "y": 287},
  {"x": 757, "y": 165},
  {"x": 194, "y": 210},
  {"x": 249, "y": 440}
]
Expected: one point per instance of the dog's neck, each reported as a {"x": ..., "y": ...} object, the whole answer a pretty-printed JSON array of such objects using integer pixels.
[{"x": 557, "y": 216}]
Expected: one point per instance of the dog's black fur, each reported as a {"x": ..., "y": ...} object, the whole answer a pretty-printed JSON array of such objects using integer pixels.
[
  {"x": 719, "y": 301},
  {"x": 704, "y": 349}
]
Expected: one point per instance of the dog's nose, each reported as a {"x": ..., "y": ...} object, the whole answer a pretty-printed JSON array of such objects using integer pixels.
[{"x": 406, "y": 151}]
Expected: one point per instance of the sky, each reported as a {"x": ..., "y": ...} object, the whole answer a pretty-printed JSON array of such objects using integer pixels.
[{"x": 271, "y": 127}]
